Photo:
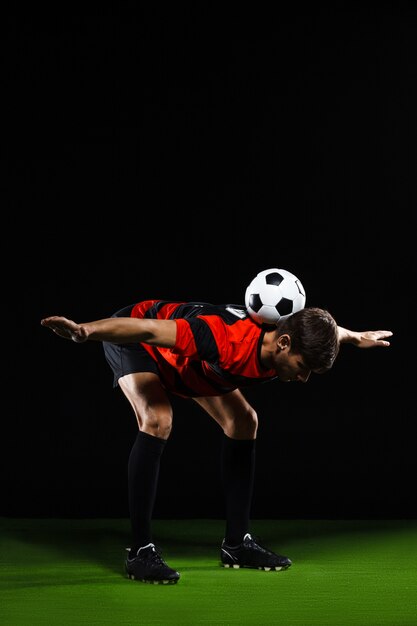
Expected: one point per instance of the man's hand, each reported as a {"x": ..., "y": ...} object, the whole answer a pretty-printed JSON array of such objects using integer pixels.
[
  {"x": 372, "y": 338},
  {"x": 66, "y": 328},
  {"x": 364, "y": 339}
]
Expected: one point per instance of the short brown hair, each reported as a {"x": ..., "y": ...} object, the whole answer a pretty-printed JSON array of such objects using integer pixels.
[{"x": 314, "y": 336}]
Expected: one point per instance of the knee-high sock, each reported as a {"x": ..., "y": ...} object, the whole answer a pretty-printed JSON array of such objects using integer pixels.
[
  {"x": 238, "y": 470},
  {"x": 143, "y": 473}
]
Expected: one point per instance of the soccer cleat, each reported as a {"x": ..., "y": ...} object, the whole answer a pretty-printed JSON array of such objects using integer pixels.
[
  {"x": 250, "y": 554},
  {"x": 148, "y": 566}
]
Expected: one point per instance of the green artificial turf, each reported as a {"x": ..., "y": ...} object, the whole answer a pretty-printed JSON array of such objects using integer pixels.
[{"x": 70, "y": 572}]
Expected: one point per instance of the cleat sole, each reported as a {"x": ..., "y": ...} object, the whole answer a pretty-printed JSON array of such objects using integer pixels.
[
  {"x": 152, "y": 582},
  {"x": 278, "y": 568},
  {"x": 158, "y": 582}
]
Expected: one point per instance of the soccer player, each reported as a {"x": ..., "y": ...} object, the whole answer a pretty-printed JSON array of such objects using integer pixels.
[{"x": 206, "y": 353}]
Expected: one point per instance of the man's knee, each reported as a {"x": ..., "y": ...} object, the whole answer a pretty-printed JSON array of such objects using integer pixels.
[
  {"x": 150, "y": 403},
  {"x": 158, "y": 424},
  {"x": 245, "y": 426}
]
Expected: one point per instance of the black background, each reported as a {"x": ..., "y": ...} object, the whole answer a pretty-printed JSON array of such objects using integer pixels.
[{"x": 174, "y": 154}]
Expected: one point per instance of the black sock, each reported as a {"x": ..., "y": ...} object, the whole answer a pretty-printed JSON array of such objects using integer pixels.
[
  {"x": 238, "y": 469},
  {"x": 143, "y": 472}
]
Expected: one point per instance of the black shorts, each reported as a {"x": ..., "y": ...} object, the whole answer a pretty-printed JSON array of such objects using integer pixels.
[{"x": 127, "y": 358}]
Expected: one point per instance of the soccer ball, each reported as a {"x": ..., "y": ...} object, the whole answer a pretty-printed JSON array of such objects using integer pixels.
[{"x": 273, "y": 295}]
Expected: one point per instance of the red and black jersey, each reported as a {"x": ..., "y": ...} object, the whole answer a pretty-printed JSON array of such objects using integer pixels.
[{"x": 217, "y": 348}]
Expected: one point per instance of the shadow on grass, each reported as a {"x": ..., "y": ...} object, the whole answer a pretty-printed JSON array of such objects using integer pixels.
[
  {"x": 103, "y": 542},
  {"x": 70, "y": 538}
]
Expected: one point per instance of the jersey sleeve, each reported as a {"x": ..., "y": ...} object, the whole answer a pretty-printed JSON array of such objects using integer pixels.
[
  {"x": 196, "y": 339},
  {"x": 184, "y": 344}
]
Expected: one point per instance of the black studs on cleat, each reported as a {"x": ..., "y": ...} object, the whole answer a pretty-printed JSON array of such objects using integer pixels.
[
  {"x": 153, "y": 582},
  {"x": 266, "y": 569}
]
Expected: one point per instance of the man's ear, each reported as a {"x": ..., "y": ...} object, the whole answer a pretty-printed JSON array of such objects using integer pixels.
[{"x": 284, "y": 342}]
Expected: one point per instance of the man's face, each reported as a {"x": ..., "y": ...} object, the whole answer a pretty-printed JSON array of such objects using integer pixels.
[{"x": 290, "y": 367}]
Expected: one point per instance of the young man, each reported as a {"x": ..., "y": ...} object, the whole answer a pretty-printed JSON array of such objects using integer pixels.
[{"x": 206, "y": 353}]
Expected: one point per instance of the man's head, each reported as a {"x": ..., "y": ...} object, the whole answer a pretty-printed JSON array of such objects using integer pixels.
[{"x": 306, "y": 341}]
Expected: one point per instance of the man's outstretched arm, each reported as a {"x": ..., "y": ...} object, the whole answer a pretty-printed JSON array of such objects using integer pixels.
[
  {"x": 364, "y": 339},
  {"x": 160, "y": 333}
]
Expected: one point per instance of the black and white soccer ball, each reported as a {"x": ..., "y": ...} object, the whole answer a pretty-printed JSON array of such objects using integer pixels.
[{"x": 273, "y": 295}]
